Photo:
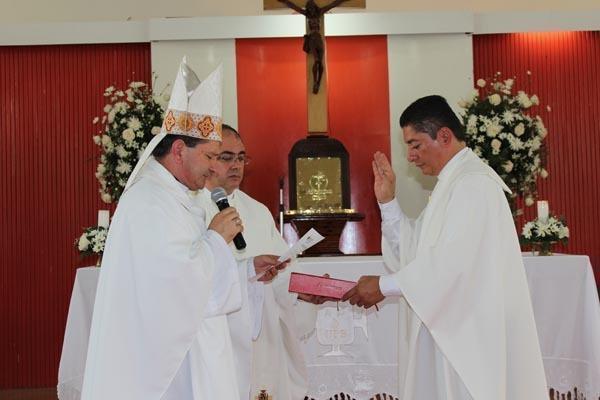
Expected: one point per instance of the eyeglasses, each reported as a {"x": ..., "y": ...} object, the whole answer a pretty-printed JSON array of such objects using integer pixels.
[{"x": 230, "y": 158}]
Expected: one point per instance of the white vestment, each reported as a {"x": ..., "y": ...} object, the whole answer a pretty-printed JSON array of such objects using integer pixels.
[
  {"x": 273, "y": 360},
  {"x": 159, "y": 329},
  {"x": 470, "y": 329}
]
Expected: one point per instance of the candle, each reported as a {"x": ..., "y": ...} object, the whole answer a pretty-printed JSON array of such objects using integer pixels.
[
  {"x": 103, "y": 218},
  {"x": 542, "y": 210}
]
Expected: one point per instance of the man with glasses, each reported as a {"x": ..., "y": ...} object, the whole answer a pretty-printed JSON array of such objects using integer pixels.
[{"x": 265, "y": 340}]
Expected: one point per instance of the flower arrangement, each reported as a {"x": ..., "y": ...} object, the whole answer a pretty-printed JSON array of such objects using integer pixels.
[
  {"x": 501, "y": 131},
  {"x": 543, "y": 233},
  {"x": 131, "y": 118},
  {"x": 92, "y": 241}
]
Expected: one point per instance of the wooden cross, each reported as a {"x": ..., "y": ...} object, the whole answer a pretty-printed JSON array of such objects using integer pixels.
[{"x": 314, "y": 46}]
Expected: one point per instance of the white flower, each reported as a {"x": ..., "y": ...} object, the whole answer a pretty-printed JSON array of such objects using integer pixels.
[
  {"x": 155, "y": 130},
  {"x": 95, "y": 120},
  {"x": 544, "y": 173},
  {"x": 134, "y": 123},
  {"x": 97, "y": 139},
  {"x": 121, "y": 152},
  {"x": 123, "y": 167},
  {"x": 128, "y": 135},
  {"x": 523, "y": 99},
  {"x": 136, "y": 85},
  {"x": 477, "y": 151},
  {"x": 496, "y": 144},
  {"x": 111, "y": 116},
  {"x": 527, "y": 228},
  {"x": 508, "y": 116},
  {"x": 101, "y": 168},
  {"x": 534, "y": 99},
  {"x": 515, "y": 143},
  {"x": 563, "y": 232},
  {"x": 493, "y": 130},
  {"x": 508, "y": 83},
  {"x": 529, "y": 201},
  {"x": 83, "y": 243},
  {"x": 106, "y": 140},
  {"x": 107, "y": 108},
  {"x": 508, "y": 166},
  {"x": 481, "y": 83},
  {"x": 495, "y": 99},
  {"x": 519, "y": 129},
  {"x": 464, "y": 103}
]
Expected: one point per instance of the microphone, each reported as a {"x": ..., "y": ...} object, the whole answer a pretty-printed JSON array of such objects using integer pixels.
[{"x": 219, "y": 196}]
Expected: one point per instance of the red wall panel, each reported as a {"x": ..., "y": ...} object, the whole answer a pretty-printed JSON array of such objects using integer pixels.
[
  {"x": 565, "y": 74},
  {"x": 272, "y": 116},
  {"x": 48, "y": 97}
]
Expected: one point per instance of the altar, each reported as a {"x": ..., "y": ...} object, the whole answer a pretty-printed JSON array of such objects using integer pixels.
[{"x": 357, "y": 352}]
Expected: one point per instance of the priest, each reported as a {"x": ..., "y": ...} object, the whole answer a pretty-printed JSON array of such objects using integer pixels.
[
  {"x": 159, "y": 328},
  {"x": 470, "y": 332},
  {"x": 266, "y": 339}
]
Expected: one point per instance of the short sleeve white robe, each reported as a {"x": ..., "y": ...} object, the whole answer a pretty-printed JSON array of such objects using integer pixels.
[
  {"x": 159, "y": 329},
  {"x": 274, "y": 359},
  {"x": 469, "y": 330}
]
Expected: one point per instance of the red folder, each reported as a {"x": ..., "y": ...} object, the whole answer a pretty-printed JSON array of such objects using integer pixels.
[{"x": 319, "y": 285}]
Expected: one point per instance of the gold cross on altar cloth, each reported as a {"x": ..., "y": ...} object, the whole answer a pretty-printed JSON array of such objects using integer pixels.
[{"x": 314, "y": 46}]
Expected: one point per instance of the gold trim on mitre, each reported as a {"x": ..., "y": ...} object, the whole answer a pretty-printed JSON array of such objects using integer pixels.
[{"x": 199, "y": 126}]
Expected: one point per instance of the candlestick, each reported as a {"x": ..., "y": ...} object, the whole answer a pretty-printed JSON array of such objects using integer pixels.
[
  {"x": 543, "y": 210},
  {"x": 103, "y": 218}
]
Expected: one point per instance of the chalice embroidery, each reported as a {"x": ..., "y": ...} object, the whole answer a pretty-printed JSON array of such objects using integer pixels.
[{"x": 336, "y": 328}]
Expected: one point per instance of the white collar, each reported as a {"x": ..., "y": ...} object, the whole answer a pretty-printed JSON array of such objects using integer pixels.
[{"x": 452, "y": 164}]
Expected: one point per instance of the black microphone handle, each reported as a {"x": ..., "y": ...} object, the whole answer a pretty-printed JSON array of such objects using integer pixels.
[{"x": 238, "y": 240}]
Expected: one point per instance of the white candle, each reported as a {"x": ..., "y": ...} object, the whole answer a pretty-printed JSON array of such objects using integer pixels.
[
  {"x": 103, "y": 218},
  {"x": 543, "y": 210}
]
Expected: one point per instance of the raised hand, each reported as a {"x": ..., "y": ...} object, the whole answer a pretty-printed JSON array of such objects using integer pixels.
[
  {"x": 366, "y": 293},
  {"x": 385, "y": 178},
  {"x": 227, "y": 223}
]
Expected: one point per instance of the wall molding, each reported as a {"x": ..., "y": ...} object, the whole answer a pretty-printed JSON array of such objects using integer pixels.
[{"x": 271, "y": 26}]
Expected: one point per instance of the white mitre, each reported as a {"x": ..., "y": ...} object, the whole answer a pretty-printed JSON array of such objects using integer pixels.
[{"x": 195, "y": 110}]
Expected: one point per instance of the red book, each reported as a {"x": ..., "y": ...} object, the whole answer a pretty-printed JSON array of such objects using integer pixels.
[{"x": 319, "y": 285}]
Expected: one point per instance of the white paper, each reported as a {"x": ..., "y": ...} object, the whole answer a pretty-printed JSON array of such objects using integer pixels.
[{"x": 307, "y": 241}]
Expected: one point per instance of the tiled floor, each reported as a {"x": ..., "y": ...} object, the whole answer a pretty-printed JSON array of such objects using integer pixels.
[{"x": 28, "y": 394}]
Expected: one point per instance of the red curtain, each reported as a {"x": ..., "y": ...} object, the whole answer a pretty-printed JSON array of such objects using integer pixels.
[
  {"x": 565, "y": 74},
  {"x": 48, "y": 98}
]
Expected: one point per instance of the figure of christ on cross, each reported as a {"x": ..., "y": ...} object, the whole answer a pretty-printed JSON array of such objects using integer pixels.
[{"x": 313, "y": 41}]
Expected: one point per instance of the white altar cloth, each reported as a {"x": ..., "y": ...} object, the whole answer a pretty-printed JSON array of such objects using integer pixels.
[{"x": 357, "y": 352}]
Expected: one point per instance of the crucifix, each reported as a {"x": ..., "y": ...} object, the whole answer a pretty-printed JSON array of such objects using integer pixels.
[{"x": 314, "y": 46}]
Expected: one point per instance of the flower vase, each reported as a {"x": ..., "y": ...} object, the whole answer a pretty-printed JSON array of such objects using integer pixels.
[{"x": 544, "y": 248}]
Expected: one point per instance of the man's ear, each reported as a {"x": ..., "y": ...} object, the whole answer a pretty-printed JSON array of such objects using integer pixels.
[
  {"x": 177, "y": 149},
  {"x": 445, "y": 136}
]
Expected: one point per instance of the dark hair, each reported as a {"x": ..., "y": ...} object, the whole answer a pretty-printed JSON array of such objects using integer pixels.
[
  {"x": 431, "y": 113},
  {"x": 231, "y": 129},
  {"x": 164, "y": 146}
]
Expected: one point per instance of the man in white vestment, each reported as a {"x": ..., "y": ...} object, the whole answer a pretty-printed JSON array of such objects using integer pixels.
[
  {"x": 267, "y": 350},
  {"x": 159, "y": 328},
  {"x": 471, "y": 333}
]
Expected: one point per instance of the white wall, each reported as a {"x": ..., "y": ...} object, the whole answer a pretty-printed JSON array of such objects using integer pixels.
[
  {"x": 15, "y": 11},
  {"x": 420, "y": 65}
]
